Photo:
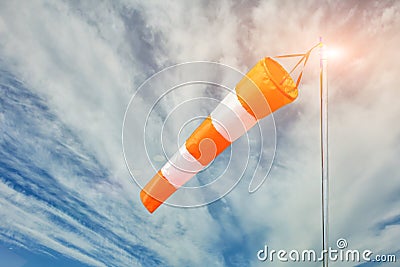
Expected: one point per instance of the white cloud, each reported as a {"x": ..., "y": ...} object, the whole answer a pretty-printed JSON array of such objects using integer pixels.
[{"x": 86, "y": 59}]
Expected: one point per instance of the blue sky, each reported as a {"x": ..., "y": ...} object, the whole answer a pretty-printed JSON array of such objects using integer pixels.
[{"x": 68, "y": 70}]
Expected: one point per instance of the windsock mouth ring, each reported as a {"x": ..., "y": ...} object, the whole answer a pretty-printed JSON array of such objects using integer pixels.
[{"x": 281, "y": 78}]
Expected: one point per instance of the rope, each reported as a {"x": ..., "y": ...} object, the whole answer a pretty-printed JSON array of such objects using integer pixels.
[{"x": 304, "y": 58}]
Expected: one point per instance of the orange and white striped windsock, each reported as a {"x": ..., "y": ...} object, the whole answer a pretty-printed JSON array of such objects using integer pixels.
[{"x": 265, "y": 88}]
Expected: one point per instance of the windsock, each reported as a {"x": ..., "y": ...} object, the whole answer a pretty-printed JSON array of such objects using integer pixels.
[{"x": 265, "y": 88}]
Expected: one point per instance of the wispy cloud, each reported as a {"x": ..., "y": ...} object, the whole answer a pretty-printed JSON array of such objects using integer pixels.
[{"x": 69, "y": 69}]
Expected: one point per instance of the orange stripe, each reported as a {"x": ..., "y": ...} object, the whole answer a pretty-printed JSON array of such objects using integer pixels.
[
  {"x": 266, "y": 88},
  {"x": 156, "y": 192},
  {"x": 206, "y": 142}
]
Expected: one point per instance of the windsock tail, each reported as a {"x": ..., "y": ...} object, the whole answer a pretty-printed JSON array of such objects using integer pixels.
[{"x": 156, "y": 192}]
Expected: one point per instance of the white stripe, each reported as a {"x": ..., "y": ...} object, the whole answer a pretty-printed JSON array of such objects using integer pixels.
[
  {"x": 181, "y": 167},
  {"x": 231, "y": 119}
]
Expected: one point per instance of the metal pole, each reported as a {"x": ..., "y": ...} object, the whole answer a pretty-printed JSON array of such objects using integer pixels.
[{"x": 324, "y": 148}]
